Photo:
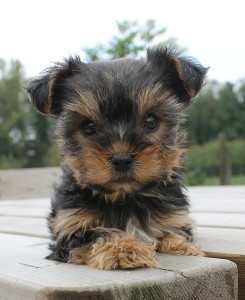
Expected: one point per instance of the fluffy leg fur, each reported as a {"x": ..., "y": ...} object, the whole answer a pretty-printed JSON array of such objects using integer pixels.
[
  {"x": 177, "y": 244},
  {"x": 105, "y": 248},
  {"x": 121, "y": 253}
]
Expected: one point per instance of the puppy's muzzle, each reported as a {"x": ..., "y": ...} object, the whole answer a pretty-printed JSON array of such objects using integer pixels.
[{"x": 122, "y": 162}]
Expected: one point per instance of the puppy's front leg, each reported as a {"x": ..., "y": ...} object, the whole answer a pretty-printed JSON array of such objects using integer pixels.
[
  {"x": 175, "y": 235},
  {"x": 113, "y": 249},
  {"x": 106, "y": 248},
  {"x": 177, "y": 244}
]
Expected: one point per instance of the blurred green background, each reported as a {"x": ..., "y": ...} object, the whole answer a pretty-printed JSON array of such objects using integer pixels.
[{"x": 215, "y": 122}]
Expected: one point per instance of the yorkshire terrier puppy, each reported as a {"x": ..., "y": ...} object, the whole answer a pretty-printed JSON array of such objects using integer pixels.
[{"x": 120, "y": 198}]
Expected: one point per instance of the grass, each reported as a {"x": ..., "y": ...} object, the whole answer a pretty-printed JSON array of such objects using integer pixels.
[{"x": 235, "y": 180}]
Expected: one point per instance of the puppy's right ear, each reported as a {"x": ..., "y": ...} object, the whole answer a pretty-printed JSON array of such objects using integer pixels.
[{"x": 47, "y": 91}]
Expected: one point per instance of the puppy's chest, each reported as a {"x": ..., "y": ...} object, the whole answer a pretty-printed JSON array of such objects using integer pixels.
[
  {"x": 134, "y": 228},
  {"x": 146, "y": 230},
  {"x": 130, "y": 224}
]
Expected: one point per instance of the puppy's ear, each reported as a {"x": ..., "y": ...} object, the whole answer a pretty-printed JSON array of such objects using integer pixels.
[
  {"x": 47, "y": 91},
  {"x": 184, "y": 76}
]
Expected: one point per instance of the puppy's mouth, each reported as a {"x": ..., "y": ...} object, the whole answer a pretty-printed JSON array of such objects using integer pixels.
[
  {"x": 129, "y": 182},
  {"x": 126, "y": 185},
  {"x": 122, "y": 178}
]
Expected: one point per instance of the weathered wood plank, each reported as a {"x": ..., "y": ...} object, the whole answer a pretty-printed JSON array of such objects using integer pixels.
[
  {"x": 25, "y": 211},
  {"x": 211, "y": 207},
  {"x": 25, "y": 208},
  {"x": 24, "y": 274},
  {"x": 24, "y": 226},
  {"x": 23, "y": 219},
  {"x": 36, "y": 202},
  {"x": 213, "y": 193},
  {"x": 37, "y": 226},
  {"x": 221, "y": 240},
  {"x": 221, "y": 220},
  {"x": 40, "y": 208},
  {"x": 28, "y": 182},
  {"x": 228, "y": 199},
  {"x": 236, "y": 206},
  {"x": 227, "y": 244}
]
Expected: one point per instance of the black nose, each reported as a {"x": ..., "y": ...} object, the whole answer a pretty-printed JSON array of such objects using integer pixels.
[{"x": 122, "y": 161}]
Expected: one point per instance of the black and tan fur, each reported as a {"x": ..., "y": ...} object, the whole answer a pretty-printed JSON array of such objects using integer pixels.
[{"x": 103, "y": 216}]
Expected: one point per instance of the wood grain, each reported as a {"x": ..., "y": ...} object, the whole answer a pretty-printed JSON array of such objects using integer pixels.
[
  {"x": 24, "y": 274},
  {"x": 220, "y": 215}
]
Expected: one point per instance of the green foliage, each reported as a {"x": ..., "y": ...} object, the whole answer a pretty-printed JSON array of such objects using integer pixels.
[
  {"x": 204, "y": 161},
  {"x": 237, "y": 156},
  {"x": 25, "y": 134},
  {"x": 131, "y": 40},
  {"x": 218, "y": 108},
  {"x": 215, "y": 180},
  {"x": 12, "y": 115},
  {"x": 52, "y": 157}
]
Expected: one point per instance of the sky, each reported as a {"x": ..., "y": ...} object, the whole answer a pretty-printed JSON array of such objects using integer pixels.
[{"x": 39, "y": 32}]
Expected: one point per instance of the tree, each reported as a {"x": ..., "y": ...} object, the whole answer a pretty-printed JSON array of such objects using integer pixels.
[
  {"x": 25, "y": 134},
  {"x": 12, "y": 115},
  {"x": 232, "y": 112},
  {"x": 202, "y": 115},
  {"x": 40, "y": 142},
  {"x": 131, "y": 41},
  {"x": 217, "y": 109},
  {"x": 241, "y": 108}
]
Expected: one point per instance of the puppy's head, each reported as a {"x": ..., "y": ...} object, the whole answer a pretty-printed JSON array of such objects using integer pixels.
[{"x": 118, "y": 121}]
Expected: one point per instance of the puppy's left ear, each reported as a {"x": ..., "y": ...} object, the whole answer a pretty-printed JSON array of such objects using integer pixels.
[
  {"x": 184, "y": 76},
  {"x": 48, "y": 92}
]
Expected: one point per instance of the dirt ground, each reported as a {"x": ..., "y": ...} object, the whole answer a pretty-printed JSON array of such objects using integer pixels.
[{"x": 27, "y": 183}]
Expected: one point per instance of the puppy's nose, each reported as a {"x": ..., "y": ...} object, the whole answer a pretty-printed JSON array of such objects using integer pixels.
[{"x": 122, "y": 161}]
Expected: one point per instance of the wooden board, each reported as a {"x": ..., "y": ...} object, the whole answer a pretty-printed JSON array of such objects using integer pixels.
[
  {"x": 220, "y": 215},
  {"x": 214, "y": 193},
  {"x": 29, "y": 183},
  {"x": 36, "y": 226},
  {"x": 220, "y": 220},
  {"x": 25, "y": 211},
  {"x": 221, "y": 240},
  {"x": 36, "y": 202},
  {"x": 222, "y": 199},
  {"x": 220, "y": 205},
  {"x": 24, "y": 226},
  {"x": 25, "y": 274},
  {"x": 226, "y": 244}
]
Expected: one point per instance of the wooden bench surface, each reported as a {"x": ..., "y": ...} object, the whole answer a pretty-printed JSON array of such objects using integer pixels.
[{"x": 220, "y": 216}]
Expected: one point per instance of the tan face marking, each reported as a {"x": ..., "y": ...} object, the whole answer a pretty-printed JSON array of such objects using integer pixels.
[
  {"x": 149, "y": 99},
  {"x": 84, "y": 104}
]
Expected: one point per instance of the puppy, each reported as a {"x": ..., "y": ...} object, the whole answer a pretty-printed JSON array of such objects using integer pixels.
[{"x": 120, "y": 198}]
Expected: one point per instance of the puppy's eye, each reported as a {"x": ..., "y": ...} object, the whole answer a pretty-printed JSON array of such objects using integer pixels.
[
  {"x": 150, "y": 122},
  {"x": 89, "y": 127}
]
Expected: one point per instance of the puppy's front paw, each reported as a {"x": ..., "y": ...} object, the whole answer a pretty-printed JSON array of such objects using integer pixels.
[
  {"x": 132, "y": 253},
  {"x": 124, "y": 253},
  {"x": 176, "y": 244}
]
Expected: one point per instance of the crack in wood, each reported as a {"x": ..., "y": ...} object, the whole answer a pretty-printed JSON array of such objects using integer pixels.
[{"x": 29, "y": 265}]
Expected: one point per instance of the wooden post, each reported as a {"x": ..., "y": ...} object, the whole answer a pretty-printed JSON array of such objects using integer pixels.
[{"x": 225, "y": 170}]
